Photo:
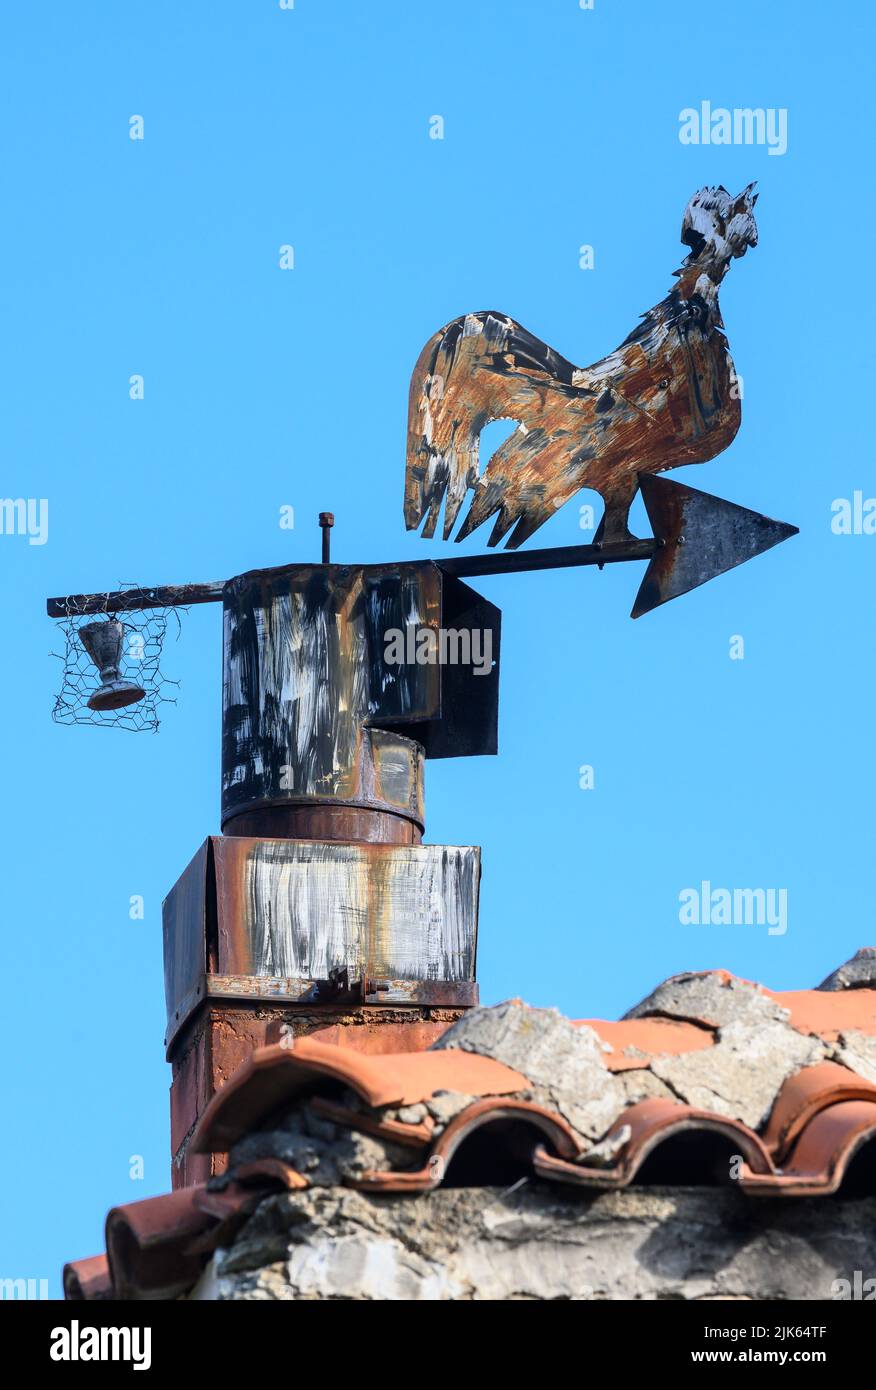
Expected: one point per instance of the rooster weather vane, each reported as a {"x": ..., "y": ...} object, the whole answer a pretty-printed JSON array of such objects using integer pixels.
[
  {"x": 312, "y": 712},
  {"x": 665, "y": 397},
  {"x": 319, "y": 889}
]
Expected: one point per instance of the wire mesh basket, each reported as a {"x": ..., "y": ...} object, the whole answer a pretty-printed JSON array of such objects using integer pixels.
[{"x": 142, "y": 645}]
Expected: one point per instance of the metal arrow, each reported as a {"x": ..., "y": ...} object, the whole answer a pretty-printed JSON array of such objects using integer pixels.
[{"x": 698, "y": 537}]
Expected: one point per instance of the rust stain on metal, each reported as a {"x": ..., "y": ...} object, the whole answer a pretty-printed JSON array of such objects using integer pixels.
[
  {"x": 375, "y": 1031},
  {"x": 665, "y": 397},
  {"x": 327, "y": 821}
]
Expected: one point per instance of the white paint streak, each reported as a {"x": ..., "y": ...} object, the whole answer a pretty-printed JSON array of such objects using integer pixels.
[{"x": 405, "y": 912}]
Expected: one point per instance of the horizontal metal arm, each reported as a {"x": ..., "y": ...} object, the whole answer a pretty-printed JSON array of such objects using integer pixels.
[
  {"x": 463, "y": 566},
  {"x": 696, "y": 537},
  {"x": 130, "y": 600}
]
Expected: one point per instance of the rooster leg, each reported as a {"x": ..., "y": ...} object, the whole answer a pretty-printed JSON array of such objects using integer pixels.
[{"x": 614, "y": 525}]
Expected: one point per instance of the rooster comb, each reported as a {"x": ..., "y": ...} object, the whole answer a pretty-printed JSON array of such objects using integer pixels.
[{"x": 711, "y": 210}]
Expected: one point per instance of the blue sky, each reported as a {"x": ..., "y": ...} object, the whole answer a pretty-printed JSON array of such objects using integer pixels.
[{"x": 266, "y": 388}]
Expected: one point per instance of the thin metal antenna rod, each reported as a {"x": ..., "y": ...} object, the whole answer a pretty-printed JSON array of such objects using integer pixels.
[{"x": 326, "y": 521}]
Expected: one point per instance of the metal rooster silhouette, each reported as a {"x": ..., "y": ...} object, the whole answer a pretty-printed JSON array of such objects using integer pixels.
[{"x": 665, "y": 397}]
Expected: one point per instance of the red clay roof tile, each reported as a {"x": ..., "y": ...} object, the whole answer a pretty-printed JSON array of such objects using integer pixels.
[
  {"x": 648, "y": 1037},
  {"x": 413, "y": 1136},
  {"x": 147, "y": 1241},
  {"x": 273, "y": 1076},
  {"x": 804, "y": 1095},
  {"x": 820, "y": 1158},
  {"x": 532, "y": 1125},
  {"x": 826, "y": 1013},
  {"x": 88, "y": 1279},
  {"x": 651, "y": 1123}
]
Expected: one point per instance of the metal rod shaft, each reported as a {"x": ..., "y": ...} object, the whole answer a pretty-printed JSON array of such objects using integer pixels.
[
  {"x": 557, "y": 557},
  {"x": 129, "y": 600},
  {"x": 464, "y": 566}
]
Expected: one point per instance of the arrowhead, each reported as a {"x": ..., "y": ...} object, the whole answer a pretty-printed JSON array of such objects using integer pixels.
[{"x": 701, "y": 537}]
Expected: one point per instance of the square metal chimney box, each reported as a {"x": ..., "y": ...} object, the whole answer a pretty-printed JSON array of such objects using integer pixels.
[{"x": 303, "y": 922}]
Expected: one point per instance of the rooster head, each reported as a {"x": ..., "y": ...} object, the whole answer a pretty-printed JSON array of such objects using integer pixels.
[{"x": 718, "y": 227}]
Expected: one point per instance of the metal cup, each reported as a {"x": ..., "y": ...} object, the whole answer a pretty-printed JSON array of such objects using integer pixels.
[{"x": 103, "y": 642}]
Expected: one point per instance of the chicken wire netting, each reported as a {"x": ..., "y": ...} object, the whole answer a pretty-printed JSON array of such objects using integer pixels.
[{"x": 142, "y": 648}]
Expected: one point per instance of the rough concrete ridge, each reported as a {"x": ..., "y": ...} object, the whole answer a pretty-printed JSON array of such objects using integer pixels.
[{"x": 482, "y": 1243}]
